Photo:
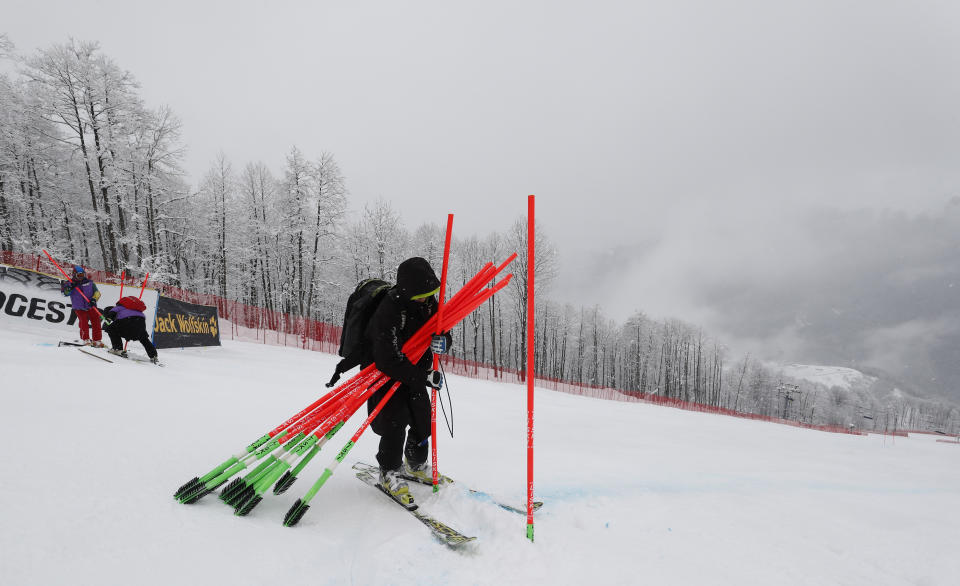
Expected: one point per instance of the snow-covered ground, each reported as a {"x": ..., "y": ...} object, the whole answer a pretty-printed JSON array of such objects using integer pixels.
[{"x": 635, "y": 494}]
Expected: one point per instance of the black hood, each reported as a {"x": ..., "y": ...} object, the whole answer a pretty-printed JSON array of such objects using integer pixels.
[{"x": 416, "y": 277}]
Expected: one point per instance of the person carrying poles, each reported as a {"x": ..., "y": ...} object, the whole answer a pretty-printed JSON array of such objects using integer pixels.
[{"x": 83, "y": 295}]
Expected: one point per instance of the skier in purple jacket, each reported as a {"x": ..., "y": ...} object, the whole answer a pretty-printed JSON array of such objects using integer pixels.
[
  {"x": 128, "y": 324},
  {"x": 83, "y": 297}
]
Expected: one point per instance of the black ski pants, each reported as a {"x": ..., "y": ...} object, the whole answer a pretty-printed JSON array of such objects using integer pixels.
[
  {"x": 407, "y": 407},
  {"x": 130, "y": 328}
]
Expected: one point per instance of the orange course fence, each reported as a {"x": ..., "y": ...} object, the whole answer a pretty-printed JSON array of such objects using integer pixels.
[{"x": 247, "y": 322}]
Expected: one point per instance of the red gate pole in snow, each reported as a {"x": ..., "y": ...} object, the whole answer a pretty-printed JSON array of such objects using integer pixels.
[
  {"x": 123, "y": 275},
  {"x": 530, "y": 363},
  {"x": 436, "y": 359},
  {"x": 144, "y": 286}
]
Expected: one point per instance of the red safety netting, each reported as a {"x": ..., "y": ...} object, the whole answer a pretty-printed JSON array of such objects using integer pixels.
[
  {"x": 246, "y": 322},
  {"x": 482, "y": 371},
  {"x": 256, "y": 324}
]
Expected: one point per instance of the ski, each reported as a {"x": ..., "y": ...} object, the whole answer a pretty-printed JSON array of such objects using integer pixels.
[
  {"x": 444, "y": 480},
  {"x": 143, "y": 360},
  {"x": 94, "y": 355},
  {"x": 135, "y": 358},
  {"x": 448, "y": 535},
  {"x": 62, "y": 343}
]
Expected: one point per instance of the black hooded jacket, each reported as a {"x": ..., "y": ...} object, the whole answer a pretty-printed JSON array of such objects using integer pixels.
[{"x": 397, "y": 318}]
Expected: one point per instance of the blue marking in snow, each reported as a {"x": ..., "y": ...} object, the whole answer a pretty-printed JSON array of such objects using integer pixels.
[{"x": 43, "y": 344}]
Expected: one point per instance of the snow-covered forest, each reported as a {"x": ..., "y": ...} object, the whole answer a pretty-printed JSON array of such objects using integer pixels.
[{"x": 91, "y": 172}]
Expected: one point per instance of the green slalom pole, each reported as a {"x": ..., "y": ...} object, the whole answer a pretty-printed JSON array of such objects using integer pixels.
[
  {"x": 240, "y": 486},
  {"x": 290, "y": 476},
  {"x": 198, "y": 487},
  {"x": 244, "y": 463},
  {"x": 239, "y": 465},
  {"x": 245, "y": 494},
  {"x": 299, "y": 508},
  {"x": 254, "y": 495}
]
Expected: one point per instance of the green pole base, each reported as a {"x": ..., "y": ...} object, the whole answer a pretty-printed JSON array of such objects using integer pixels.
[
  {"x": 188, "y": 487},
  {"x": 285, "y": 482},
  {"x": 530, "y": 532},
  {"x": 296, "y": 512}
]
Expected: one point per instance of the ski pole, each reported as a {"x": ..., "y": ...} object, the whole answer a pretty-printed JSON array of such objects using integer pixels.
[{"x": 436, "y": 358}]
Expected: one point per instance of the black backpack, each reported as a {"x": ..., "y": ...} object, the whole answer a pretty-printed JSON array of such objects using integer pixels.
[{"x": 360, "y": 307}]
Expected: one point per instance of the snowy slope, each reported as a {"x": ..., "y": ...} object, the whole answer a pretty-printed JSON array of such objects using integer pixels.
[
  {"x": 829, "y": 376},
  {"x": 634, "y": 493}
]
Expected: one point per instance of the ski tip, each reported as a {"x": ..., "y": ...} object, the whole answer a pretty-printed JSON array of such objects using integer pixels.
[
  {"x": 192, "y": 484},
  {"x": 456, "y": 541},
  {"x": 296, "y": 512}
]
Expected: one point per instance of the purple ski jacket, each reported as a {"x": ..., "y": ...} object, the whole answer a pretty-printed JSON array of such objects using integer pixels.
[
  {"x": 123, "y": 312},
  {"x": 88, "y": 287}
]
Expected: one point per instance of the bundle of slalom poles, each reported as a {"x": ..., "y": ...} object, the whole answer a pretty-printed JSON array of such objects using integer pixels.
[{"x": 280, "y": 455}]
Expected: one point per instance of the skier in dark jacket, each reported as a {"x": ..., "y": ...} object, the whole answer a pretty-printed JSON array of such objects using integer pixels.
[
  {"x": 83, "y": 295},
  {"x": 128, "y": 324},
  {"x": 405, "y": 308}
]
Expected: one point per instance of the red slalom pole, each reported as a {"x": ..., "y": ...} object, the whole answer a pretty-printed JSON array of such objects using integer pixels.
[
  {"x": 123, "y": 275},
  {"x": 436, "y": 359},
  {"x": 144, "y": 286},
  {"x": 530, "y": 361}
]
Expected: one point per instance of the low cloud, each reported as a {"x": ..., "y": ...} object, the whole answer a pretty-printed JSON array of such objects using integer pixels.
[{"x": 842, "y": 287}]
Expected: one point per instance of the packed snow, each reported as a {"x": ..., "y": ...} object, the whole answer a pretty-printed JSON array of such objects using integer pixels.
[
  {"x": 829, "y": 376},
  {"x": 633, "y": 493}
]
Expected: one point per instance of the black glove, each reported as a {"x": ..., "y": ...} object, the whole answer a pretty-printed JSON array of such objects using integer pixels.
[
  {"x": 434, "y": 379},
  {"x": 441, "y": 343}
]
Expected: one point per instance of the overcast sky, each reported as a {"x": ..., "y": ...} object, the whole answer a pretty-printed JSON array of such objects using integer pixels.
[{"x": 749, "y": 166}]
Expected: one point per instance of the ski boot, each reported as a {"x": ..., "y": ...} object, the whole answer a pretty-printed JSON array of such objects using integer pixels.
[
  {"x": 396, "y": 487},
  {"x": 118, "y": 352},
  {"x": 422, "y": 471}
]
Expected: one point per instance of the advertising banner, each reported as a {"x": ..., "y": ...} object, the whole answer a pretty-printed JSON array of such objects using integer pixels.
[
  {"x": 29, "y": 298},
  {"x": 181, "y": 325}
]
